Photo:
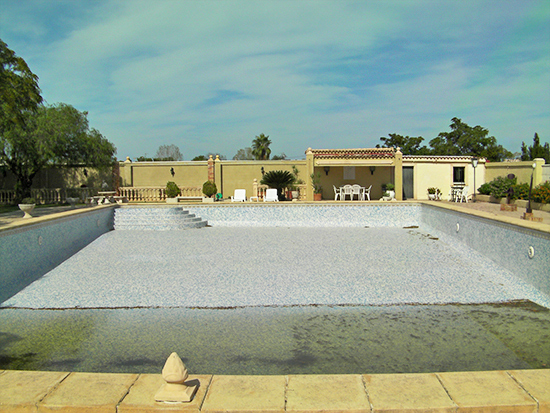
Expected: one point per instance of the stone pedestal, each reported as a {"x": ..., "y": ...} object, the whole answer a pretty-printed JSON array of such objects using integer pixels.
[
  {"x": 175, "y": 389},
  {"x": 508, "y": 207},
  {"x": 530, "y": 217}
]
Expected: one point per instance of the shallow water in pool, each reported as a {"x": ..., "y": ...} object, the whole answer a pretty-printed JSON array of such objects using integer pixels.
[{"x": 280, "y": 340}]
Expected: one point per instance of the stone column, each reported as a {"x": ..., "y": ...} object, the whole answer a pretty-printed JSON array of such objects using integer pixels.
[
  {"x": 398, "y": 174},
  {"x": 309, "y": 170},
  {"x": 218, "y": 174},
  {"x": 211, "y": 174}
]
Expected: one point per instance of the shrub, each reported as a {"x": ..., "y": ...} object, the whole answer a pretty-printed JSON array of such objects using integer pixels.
[
  {"x": 500, "y": 186},
  {"x": 521, "y": 191},
  {"x": 28, "y": 201},
  {"x": 209, "y": 188},
  {"x": 542, "y": 193},
  {"x": 485, "y": 189},
  {"x": 278, "y": 180},
  {"x": 172, "y": 190}
]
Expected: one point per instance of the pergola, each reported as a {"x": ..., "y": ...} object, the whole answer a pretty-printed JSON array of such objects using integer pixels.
[{"x": 359, "y": 157}]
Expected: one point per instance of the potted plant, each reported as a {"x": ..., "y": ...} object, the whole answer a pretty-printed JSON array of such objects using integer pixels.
[
  {"x": 172, "y": 191},
  {"x": 390, "y": 190},
  {"x": 72, "y": 197},
  {"x": 278, "y": 180},
  {"x": 433, "y": 193},
  {"x": 209, "y": 188},
  {"x": 27, "y": 205},
  {"x": 297, "y": 181},
  {"x": 317, "y": 188}
]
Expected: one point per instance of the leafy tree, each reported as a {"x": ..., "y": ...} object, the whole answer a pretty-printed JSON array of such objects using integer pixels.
[
  {"x": 465, "y": 140},
  {"x": 408, "y": 145},
  {"x": 260, "y": 147},
  {"x": 19, "y": 91},
  {"x": 279, "y": 180},
  {"x": 200, "y": 158},
  {"x": 169, "y": 153},
  {"x": 57, "y": 134},
  {"x": 280, "y": 157},
  {"x": 535, "y": 151},
  {"x": 244, "y": 154}
]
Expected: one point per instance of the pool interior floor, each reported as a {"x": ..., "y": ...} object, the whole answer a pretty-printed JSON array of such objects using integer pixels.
[{"x": 221, "y": 267}]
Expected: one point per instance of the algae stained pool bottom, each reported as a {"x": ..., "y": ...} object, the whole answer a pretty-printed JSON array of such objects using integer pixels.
[{"x": 280, "y": 340}]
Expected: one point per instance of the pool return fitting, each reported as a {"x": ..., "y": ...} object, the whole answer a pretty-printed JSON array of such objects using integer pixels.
[{"x": 175, "y": 390}]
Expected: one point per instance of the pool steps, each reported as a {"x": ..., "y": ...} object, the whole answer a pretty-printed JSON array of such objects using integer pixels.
[{"x": 156, "y": 219}]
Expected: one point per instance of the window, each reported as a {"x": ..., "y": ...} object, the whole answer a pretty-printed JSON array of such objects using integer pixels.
[
  {"x": 349, "y": 172},
  {"x": 458, "y": 175}
]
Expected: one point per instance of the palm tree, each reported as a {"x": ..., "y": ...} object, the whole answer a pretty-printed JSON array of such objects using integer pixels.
[
  {"x": 279, "y": 180},
  {"x": 260, "y": 147}
]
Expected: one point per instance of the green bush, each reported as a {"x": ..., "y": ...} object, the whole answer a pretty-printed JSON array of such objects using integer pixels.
[
  {"x": 28, "y": 201},
  {"x": 172, "y": 190},
  {"x": 521, "y": 191},
  {"x": 542, "y": 193},
  {"x": 278, "y": 180},
  {"x": 209, "y": 188},
  {"x": 500, "y": 185},
  {"x": 485, "y": 189}
]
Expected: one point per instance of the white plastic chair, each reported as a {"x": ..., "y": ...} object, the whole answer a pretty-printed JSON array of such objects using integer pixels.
[
  {"x": 337, "y": 193},
  {"x": 239, "y": 196},
  {"x": 357, "y": 190},
  {"x": 462, "y": 195},
  {"x": 271, "y": 195},
  {"x": 366, "y": 193},
  {"x": 346, "y": 190}
]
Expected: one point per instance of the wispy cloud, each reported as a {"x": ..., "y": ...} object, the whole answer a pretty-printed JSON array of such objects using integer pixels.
[{"x": 210, "y": 75}]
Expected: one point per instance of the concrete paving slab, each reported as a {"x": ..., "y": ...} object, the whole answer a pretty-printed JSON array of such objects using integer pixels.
[
  {"x": 141, "y": 397},
  {"x": 20, "y": 391},
  {"x": 326, "y": 393},
  {"x": 537, "y": 384},
  {"x": 246, "y": 394},
  {"x": 391, "y": 393},
  {"x": 487, "y": 391},
  {"x": 88, "y": 393}
]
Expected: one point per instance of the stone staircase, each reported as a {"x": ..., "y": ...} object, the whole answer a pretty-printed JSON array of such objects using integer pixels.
[{"x": 156, "y": 219}]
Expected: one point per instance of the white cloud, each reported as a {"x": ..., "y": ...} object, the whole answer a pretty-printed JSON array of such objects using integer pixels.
[{"x": 208, "y": 74}]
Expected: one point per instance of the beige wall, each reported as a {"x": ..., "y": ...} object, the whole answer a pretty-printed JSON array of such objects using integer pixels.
[
  {"x": 241, "y": 174},
  {"x": 229, "y": 175},
  {"x": 439, "y": 174},
  {"x": 522, "y": 170},
  {"x": 157, "y": 174}
]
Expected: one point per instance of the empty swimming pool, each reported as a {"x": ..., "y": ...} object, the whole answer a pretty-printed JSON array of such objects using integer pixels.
[{"x": 348, "y": 293}]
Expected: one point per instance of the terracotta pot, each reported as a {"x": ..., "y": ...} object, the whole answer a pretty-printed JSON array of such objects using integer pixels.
[{"x": 317, "y": 197}]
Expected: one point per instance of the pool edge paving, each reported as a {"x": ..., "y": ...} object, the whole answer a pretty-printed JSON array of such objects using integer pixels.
[{"x": 485, "y": 391}]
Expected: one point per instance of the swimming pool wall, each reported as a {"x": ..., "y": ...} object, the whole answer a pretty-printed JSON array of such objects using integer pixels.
[
  {"x": 30, "y": 251},
  {"x": 273, "y": 215},
  {"x": 505, "y": 244}
]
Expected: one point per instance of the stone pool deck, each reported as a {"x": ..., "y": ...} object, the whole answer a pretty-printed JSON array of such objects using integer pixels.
[{"x": 493, "y": 391}]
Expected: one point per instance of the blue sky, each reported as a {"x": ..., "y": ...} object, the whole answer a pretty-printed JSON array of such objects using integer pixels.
[{"x": 208, "y": 76}]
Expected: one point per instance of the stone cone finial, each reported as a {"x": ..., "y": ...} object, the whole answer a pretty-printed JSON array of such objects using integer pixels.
[{"x": 175, "y": 389}]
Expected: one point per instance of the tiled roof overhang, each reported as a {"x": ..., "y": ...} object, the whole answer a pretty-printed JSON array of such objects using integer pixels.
[{"x": 353, "y": 157}]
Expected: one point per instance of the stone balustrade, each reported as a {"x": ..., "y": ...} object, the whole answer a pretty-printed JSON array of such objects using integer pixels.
[
  {"x": 155, "y": 194},
  {"x": 259, "y": 191},
  {"x": 50, "y": 195}
]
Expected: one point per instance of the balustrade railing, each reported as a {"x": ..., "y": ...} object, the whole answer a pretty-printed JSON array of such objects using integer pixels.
[
  {"x": 50, "y": 195},
  {"x": 155, "y": 194},
  {"x": 298, "y": 192}
]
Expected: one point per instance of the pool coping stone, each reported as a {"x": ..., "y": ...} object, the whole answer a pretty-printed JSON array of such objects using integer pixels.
[{"x": 482, "y": 391}]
